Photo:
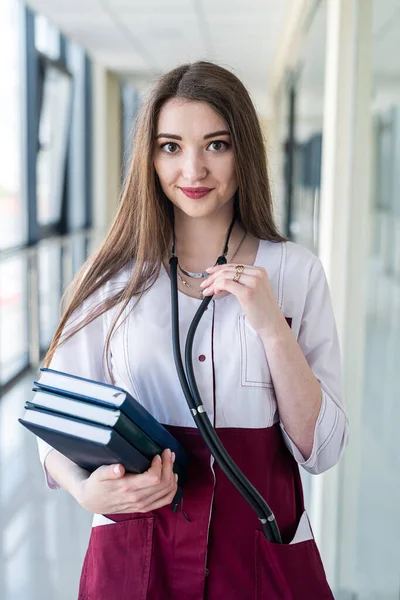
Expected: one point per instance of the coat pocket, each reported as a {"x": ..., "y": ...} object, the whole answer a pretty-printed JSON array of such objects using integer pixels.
[
  {"x": 117, "y": 561},
  {"x": 253, "y": 362},
  {"x": 290, "y": 571}
]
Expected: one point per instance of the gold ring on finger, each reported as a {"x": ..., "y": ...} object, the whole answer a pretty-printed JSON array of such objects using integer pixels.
[{"x": 238, "y": 271}]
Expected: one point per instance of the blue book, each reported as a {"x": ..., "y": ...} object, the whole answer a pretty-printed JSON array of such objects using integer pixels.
[
  {"x": 88, "y": 445},
  {"x": 106, "y": 395},
  {"x": 105, "y": 416}
]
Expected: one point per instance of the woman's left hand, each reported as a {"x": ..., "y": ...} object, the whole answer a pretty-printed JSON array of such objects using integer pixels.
[{"x": 253, "y": 291}]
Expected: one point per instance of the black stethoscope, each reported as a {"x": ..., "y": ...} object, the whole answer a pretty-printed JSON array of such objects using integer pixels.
[{"x": 200, "y": 416}]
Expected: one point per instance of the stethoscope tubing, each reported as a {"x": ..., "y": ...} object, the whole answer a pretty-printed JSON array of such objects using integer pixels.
[{"x": 200, "y": 416}]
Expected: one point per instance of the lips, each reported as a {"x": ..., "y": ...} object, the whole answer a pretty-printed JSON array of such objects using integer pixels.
[{"x": 196, "y": 192}]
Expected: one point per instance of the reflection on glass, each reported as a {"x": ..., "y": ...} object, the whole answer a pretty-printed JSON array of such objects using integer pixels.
[
  {"x": 53, "y": 141},
  {"x": 79, "y": 253},
  {"x": 378, "y": 547},
  {"x": 13, "y": 317},
  {"x": 300, "y": 135},
  {"x": 49, "y": 260},
  {"x": 47, "y": 37},
  {"x": 12, "y": 205},
  {"x": 280, "y": 177},
  {"x": 307, "y": 147},
  {"x": 130, "y": 101},
  {"x": 77, "y": 201}
]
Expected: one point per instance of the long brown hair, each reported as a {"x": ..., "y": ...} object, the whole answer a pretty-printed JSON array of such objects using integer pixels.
[{"x": 141, "y": 230}]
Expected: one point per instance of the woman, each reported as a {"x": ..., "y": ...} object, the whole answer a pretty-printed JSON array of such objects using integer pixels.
[{"x": 266, "y": 360}]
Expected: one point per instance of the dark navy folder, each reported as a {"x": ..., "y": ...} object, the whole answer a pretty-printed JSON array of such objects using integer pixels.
[
  {"x": 105, "y": 394},
  {"x": 89, "y": 446}
]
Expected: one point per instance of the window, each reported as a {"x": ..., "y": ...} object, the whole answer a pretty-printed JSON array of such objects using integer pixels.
[
  {"x": 13, "y": 223},
  {"x": 55, "y": 113}
]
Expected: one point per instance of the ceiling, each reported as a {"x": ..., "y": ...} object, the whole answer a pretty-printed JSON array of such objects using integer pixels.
[{"x": 146, "y": 37}]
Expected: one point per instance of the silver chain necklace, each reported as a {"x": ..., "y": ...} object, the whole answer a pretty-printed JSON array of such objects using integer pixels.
[
  {"x": 197, "y": 290},
  {"x": 204, "y": 273},
  {"x": 192, "y": 275}
]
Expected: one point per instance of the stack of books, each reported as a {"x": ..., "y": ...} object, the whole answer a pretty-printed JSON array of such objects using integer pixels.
[{"x": 96, "y": 424}]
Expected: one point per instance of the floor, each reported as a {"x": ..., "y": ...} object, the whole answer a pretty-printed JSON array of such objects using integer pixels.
[{"x": 43, "y": 534}]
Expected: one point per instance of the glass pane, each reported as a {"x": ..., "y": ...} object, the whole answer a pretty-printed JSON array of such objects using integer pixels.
[
  {"x": 130, "y": 100},
  {"x": 79, "y": 253},
  {"x": 49, "y": 260},
  {"x": 77, "y": 171},
  {"x": 13, "y": 317},
  {"x": 305, "y": 152},
  {"x": 47, "y": 37},
  {"x": 13, "y": 231},
  {"x": 378, "y": 546},
  {"x": 308, "y": 134},
  {"x": 53, "y": 140}
]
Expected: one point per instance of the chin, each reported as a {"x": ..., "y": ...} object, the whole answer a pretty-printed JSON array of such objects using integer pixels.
[
  {"x": 196, "y": 208},
  {"x": 198, "y": 212},
  {"x": 201, "y": 209}
]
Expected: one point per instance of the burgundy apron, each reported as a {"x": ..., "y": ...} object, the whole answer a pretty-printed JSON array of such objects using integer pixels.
[{"x": 222, "y": 553}]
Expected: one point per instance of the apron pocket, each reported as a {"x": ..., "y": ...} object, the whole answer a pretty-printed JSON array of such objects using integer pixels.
[
  {"x": 290, "y": 571},
  {"x": 117, "y": 561}
]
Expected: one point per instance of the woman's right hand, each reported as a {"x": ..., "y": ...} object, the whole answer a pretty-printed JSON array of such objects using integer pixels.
[{"x": 109, "y": 490}]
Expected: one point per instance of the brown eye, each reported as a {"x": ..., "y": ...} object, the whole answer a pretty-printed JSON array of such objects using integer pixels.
[
  {"x": 218, "y": 146},
  {"x": 170, "y": 148}
]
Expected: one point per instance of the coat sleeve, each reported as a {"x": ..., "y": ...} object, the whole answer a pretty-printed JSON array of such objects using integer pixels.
[
  {"x": 319, "y": 342},
  {"x": 81, "y": 355}
]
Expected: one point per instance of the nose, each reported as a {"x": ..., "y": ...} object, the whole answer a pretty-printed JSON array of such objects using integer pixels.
[{"x": 194, "y": 168}]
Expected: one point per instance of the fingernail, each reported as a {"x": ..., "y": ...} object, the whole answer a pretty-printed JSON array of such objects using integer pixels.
[
  {"x": 209, "y": 269},
  {"x": 169, "y": 453},
  {"x": 116, "y": 469},
  {"x": 203, "y": 283},
  {"x": 173, "y": 457},
  {"x": 158, "y": 457},
  {"x": 176, "y": 477}
]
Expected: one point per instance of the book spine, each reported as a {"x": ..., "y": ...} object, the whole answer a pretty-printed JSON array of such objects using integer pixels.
[
  {"x": 153, "y": 429},
  {"x": 136, "y": 437}
]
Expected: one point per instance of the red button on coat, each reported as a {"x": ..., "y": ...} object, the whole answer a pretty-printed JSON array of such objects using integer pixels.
[{"x": 202, "y": 358}]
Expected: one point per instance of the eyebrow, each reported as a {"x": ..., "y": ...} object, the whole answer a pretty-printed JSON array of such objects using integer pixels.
[{"x": 172, "y": 136}]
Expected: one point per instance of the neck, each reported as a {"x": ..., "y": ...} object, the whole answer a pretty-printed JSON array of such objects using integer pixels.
[{"x": 199, "y": 242}]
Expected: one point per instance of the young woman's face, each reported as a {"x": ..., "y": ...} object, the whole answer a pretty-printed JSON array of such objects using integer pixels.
[{"x": 193, "y": 158}]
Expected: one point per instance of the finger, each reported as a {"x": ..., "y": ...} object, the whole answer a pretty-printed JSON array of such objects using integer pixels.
[
  {"x": 228, "y": 285},
  {"x": 219, "y": 268},
  {"x": 107, "y": 472},
  {"x": 230, "y": 271},
  {"x": 220, "y": 284},
  {"x": 156, "y": 466},
  {"x": 163, "y": 501},
  {"x": 215, "y": 268},
  {"x": 148, "y": 479},
  {"x": 157, "y": 474},
  {"x": 141, "y": 499},
  {"x": 168, "y": 459},
  {"x": 247, "y": 280}
]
